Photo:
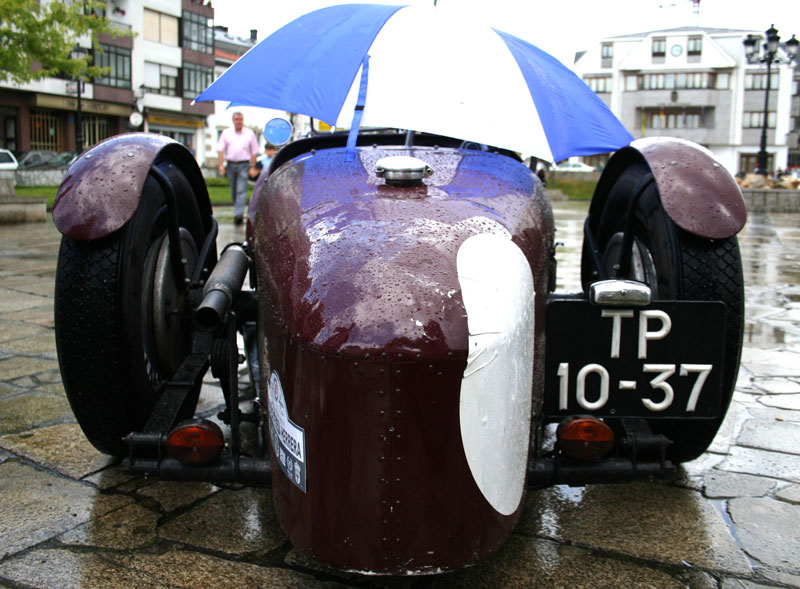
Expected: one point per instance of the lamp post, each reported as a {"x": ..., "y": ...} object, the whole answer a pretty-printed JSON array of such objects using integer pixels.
[
  {"x": 768, "y": 55},
  {"x": 79, "y": 53}
]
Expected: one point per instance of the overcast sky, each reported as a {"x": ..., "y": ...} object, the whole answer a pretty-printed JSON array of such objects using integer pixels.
[{"x": 560, "y": 27}]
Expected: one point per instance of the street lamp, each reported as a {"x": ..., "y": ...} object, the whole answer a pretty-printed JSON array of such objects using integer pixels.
[
  {"x": 79, "y": 53},
  {"x": 768, "y": 55}
]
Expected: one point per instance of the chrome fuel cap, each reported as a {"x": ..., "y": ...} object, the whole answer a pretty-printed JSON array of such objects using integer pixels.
[{"x": 403, "y": 170}]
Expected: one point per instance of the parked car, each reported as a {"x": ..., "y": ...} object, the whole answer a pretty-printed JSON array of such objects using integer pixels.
[
  {"x": 7, "y": 161},
  {"x": 31, "y": 159},
  {"x": 573, "y": 167},
  {"x": 413, "y": 367}
]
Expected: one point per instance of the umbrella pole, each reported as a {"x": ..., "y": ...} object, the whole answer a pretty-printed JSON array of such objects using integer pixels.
[{"x": 352, "y": 136}]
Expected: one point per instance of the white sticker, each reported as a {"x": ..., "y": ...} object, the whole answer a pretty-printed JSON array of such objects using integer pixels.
[{"x": 288, "y": 440}]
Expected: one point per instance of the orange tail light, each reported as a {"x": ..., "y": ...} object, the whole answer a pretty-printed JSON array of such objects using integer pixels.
[
  {"x": 195, "y": 442},
  {"x": 585, "y": 438}
]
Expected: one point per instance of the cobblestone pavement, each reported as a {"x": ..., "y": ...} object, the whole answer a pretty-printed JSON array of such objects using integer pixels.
[{"x": 70, "y": 518}]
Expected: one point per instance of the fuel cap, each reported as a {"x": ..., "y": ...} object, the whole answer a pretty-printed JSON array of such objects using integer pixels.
[{"x": 402, "y": 170}]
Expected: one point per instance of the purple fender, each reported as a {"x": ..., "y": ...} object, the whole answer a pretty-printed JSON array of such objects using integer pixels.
[
  {"x": 697, "y": 193},
  {"x": 101, "y": 190}
]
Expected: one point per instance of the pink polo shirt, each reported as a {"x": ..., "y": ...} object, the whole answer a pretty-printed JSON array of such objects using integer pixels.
[{"x": 237, "y": 147}]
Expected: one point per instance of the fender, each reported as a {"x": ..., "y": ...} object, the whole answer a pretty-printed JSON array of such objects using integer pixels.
[
  {"x": 697, "y": 193},
  {"x": 101, "y": 190}
]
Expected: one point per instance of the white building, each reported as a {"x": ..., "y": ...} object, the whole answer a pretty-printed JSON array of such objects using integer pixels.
[{"x": 695, "y": 83}]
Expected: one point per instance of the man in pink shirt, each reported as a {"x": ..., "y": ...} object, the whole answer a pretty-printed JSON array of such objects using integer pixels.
[{"x": 238, "y": 147}]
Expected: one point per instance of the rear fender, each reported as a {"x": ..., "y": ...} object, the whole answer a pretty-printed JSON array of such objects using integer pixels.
[
  {"x": 101, "y": 190},
  {"x": 698, "y": 194}
]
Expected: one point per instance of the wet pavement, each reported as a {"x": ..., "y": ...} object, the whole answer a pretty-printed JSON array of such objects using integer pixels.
[{"x": 69, "y": 517}]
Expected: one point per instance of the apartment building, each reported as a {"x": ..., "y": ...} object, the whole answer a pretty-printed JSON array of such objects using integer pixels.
[
  {"x": 695, "y": 83},
  {"x": 152, "y": 80}
]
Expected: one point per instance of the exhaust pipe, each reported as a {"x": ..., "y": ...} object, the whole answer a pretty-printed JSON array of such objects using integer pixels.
[{"x": 222, "y": 287}]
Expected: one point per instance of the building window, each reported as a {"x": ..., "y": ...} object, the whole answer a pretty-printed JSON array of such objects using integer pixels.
[
  {"x": 45, "y": 130},
  {"x": 161, "y": 28},
  {"x": 677, "y": 118},
  {"x": 600, "y": 84},
  {"x": 631, "y": 83},
  {"x": 748, "y": 162},
  {"x": 758, "y": 81},
  {"x": 95, "y": 129},
  {"x": 755, "y": 120},
  {"x": 118, "y": 59},
  {"x": 607, "y": 51},
  {"x": 161, "y": 79},
  {"x": 677, "y": 81},
  {"x": 659, "y": 47},
  {"x": 197, "y": 33},
  {"x": 196, "y": 78},
  {"x": 723, "y": 81},
  {"x": 695, "y": 46}
]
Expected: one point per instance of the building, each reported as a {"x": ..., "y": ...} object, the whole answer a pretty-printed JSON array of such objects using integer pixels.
[
  {"x": 152, "y": 80},
  {"x": 695, "y": 83}
]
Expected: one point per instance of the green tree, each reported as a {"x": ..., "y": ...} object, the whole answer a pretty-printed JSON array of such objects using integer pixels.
[{"x": 36, "y": 38}]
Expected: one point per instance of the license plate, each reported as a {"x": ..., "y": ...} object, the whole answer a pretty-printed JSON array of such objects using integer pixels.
[{"x": 659, "y": 361}]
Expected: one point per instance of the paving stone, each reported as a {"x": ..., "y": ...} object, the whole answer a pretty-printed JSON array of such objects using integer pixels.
[
  {"x": 721, "y": 484},
  {"x": 763, "y": 463},
  {"x": 774, "y": 413},
  {"x": 790, "y": 494},
  {"x": 648, "y": 521},
  {"x": 235, "y": 522},
  {"x": 548, "y": 564},
  {"x": 61, "y": 447},
  {"x": 171, "y": 495},
  {"x": 24, "y": 411},
  {"x": 776, "y": 386},
  {"x": 14, "y": 330},
  {"x": 767, "y": 530},
  {"x": 174, "y": 568},
  {"x": 791, "y": 402},
  {"x": 786, "y": 579},
  {"x": 780, "y": 436},
  {"x": 11, "y": 301},
  {"x": 729, "y": 428},
  {"x": 783, "y": 363},
  {"x": 37, "y": 505},
  {"x": 17, "y": 366},
  {"x": 41, "y": 345},
  {"x": 110, "y": 478},
  {"x": 131, "y": 527}
]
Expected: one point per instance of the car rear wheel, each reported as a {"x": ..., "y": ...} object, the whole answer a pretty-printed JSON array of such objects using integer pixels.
[
  {"x": 680, "y": 266},
  {"x": 121, "y": 329}
]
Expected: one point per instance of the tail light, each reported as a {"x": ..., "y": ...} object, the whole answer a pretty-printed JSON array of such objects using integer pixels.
[
  {"x": 585, "y": 438},
  {"x": 195, "y": 442}
]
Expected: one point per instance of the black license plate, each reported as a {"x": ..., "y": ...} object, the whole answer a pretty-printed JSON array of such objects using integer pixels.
[{"x": 659, "y": 361}]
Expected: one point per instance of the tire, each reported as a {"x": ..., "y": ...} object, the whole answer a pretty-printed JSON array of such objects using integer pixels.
[
  {"x": 120, "y": 331},
  {"x": 677, "y": 266}
]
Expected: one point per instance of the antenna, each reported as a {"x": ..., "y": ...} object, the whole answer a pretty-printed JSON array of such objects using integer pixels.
[{"x": 696, "y": 12}]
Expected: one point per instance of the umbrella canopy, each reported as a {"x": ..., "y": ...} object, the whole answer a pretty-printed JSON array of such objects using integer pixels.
[{"x": 429, "y": 70}]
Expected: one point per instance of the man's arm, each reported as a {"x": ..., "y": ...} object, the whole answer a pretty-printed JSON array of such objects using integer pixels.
[{"x": 222, "y": 163}]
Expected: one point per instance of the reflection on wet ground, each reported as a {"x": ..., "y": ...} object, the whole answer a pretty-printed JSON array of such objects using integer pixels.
[{"x": 70, "y": 518}]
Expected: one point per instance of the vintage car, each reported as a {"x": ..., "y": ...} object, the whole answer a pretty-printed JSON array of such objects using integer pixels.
[{"x": 412, "y": 368}]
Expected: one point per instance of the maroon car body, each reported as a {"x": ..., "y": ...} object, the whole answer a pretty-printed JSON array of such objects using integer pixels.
[{"x": 398, "y": 332}]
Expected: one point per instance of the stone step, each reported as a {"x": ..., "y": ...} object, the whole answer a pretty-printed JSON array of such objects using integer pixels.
[{"x": 17, "y": 209}]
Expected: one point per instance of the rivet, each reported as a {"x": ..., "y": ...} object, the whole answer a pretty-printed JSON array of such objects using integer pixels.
[
  {"x": 399, "y": 412},
  {"x": 88, "y": 156},
  {"x": 130, "y": 154},
  {"x": 673, "y": 163}
]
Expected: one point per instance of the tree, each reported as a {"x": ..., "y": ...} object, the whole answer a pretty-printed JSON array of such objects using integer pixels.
[{"x": 36, "y": 38}]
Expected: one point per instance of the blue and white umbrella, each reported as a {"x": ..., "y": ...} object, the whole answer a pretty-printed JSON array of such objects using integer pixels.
[{"x": 426, "y": 69}]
